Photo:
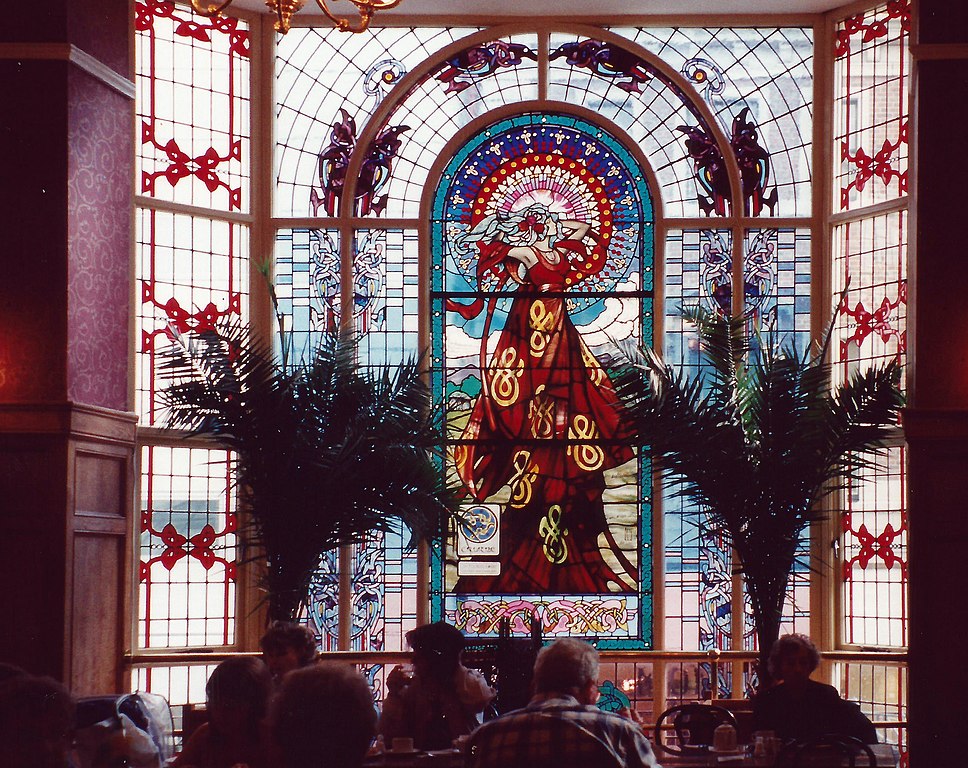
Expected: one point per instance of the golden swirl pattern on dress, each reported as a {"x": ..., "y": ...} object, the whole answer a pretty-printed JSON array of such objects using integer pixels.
[
  {"x": 542, "y": 322},
  {"x": 522, "y": 481},
  {"x": 587, "y": 457},
  {"x": 504, "y": 372},
  {"x": 554, "y": 547}
]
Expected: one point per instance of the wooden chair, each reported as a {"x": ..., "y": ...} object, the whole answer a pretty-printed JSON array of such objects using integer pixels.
[
  {"x": 826, "y": 751},
  {"x": 693, "y": 725}
]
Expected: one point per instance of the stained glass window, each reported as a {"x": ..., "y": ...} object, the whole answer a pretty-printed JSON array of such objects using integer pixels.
[
  {"x": 542, "y": 255},
  {"x": 193, "y": 106},
  {"x": 328, "y": 85},
  {"x": 193, "y": 271},
  {"x": 872, "y": 66},
  {"x": 192, "y": 235},
  {"x": 188, "y": 548},
  {"x": 871, "y": 74},
  {"x": 758, "y": 81}
]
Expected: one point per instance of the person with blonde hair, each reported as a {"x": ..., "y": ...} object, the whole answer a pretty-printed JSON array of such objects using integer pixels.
[{"x": 561, "y": 727}]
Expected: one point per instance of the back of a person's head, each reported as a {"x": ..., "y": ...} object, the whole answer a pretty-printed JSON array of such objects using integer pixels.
[
  {"x": 792, "y": 644},
  {"x": 440, "y": 644},
  {"x": 323, "y": 715},
  {"x": 36, "y": 722},
  {"x": 241, "y": 680},
  {"x": 566, "y": 666},
  {"x": 284, "y": 635}
]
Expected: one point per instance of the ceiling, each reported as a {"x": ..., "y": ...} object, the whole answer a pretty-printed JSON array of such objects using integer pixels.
[{"x": 599, "y": 10}]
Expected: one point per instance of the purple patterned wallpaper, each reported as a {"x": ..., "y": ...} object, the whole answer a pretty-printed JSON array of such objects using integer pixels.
[{"x": 99, "y": 216}]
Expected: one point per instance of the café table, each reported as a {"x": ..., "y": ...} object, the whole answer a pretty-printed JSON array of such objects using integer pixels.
[
  {"x": 885, "y": 755},
  {"x": 444, "y": 758}
]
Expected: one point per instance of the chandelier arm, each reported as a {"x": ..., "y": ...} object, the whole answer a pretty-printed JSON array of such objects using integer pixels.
[
  {"x": 366, "y": 9},
  {"x": 209, "y": 9}
]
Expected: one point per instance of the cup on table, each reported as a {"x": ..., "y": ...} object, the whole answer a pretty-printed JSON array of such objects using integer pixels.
[{"x": 401, "y": 744}]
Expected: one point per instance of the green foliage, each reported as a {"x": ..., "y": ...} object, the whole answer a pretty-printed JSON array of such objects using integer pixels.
[
  {"x": 325, "y": 451},
  {"x": 757, "y": 441}
]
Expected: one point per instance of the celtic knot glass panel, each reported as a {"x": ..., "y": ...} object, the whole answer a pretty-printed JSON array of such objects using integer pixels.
[{"x": 542, "y": 256}]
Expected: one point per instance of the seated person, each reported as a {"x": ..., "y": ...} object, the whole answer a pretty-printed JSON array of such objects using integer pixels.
[
  {"x": 561, "y": 727},
  {"x": 441, "y": 700},
  {"x": 322, "y": 715},
  {"x": 237, "y": 699},
  {"x": 36, "y": 722},
  {"x": 286, "y": 646},
  {"x": 801, "y": 708}
]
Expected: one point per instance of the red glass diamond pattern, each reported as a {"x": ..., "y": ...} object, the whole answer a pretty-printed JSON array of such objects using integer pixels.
[
  {"x": 879, "y": 165},
  {"x": 872, "y": 29}
]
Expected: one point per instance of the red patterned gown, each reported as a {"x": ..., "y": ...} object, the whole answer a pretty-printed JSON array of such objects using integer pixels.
[{"x": 542, "y": 386}]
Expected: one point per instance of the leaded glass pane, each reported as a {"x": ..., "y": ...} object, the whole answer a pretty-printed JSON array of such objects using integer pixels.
[
  {"x": 192, "y": 106},
  {"x": 546, "y": 220},
  {"x": 875, "y": 553},
  {"x": 188, "y": 548},
  {"x": 386, "y": 291},
  {"x": 882, "y": 692},
  {"x": 639, "y": 99},
  {"x": 698, "y": 584},
  {"x": 776, "y": 270},
  {"x": 872, "y": 69},
  {"x": 759, "y": 80},
  {"x": 192, "y": 273},
  {"x": 870, "y": 260},
  {"x": 307, "y": 285},
  {"x": 484, "y": 77},
  {"x": 328, "y": 85}
]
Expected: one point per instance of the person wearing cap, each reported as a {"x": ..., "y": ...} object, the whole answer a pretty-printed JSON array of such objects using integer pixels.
[{"x": 441, "y": 700}]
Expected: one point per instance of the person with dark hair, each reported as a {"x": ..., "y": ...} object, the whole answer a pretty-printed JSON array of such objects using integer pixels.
[
  {"x": 441, "y": 699},
  {"x": 561, "y": 727},
  {"x": 36, "y": 722},
  {"x": 287, "y": 646},
  {"x": 237, "y": 698},
  {"x": 322, "y": 715},
  {"x": 800, "y": 708}
]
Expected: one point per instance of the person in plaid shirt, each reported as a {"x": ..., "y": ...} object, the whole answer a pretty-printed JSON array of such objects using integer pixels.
[{"x": 561, "y": 726}]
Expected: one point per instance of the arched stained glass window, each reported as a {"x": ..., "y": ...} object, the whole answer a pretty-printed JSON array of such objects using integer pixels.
[{"x": 542, "y": 243}]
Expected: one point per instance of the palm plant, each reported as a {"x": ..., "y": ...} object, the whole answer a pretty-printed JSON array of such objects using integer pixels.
[
  {"x": 325, "y": 451},
  {"x": 757, "y": 442}
]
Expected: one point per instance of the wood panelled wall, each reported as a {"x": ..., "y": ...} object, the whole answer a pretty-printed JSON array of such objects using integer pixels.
[{"x": 66, "y": 430}]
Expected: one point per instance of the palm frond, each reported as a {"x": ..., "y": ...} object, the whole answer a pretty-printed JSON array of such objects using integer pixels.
[
  {"x": 757, "y": 447},
  {"x": 326, "y": 451}
]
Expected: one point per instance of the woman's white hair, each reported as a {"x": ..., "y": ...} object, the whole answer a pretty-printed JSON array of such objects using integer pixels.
[
  {"x": 566, "y": 666},
  {"x": 506, "y": 228}
]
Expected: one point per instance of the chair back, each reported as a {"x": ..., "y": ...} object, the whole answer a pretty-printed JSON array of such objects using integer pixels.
[
  {"x": 507, "y": 664},
  {"x": 826, "y": 751},
  {"x": 692, "y": 725}
]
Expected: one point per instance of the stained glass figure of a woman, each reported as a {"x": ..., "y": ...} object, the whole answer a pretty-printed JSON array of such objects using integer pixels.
[{"x": 547, "y": 422}]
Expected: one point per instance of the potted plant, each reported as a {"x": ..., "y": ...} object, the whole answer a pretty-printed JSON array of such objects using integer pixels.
[
  {"x": 757, "y": 440},
  {"x": 324, "y": 450}
]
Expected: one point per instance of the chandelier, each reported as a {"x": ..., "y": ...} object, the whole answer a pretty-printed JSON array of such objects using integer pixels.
[{"x": 284, "y": 9}]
